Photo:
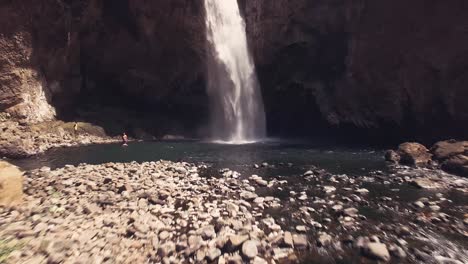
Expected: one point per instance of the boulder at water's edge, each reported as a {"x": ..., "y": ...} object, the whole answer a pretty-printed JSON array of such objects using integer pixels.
[{"x": 11, "y": 184}]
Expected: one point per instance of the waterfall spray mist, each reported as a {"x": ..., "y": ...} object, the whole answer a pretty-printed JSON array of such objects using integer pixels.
[{"x": 237, "y": 109}]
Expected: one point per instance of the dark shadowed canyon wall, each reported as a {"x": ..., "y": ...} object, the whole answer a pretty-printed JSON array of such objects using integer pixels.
[
  {"x": 57, "y": 56},
  {"x": 390, "y": 67},
  {"x": 397, "y": 65}
]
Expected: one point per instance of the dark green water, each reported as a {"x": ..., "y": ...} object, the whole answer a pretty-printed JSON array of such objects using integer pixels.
[{"x": 350, "y": 160}]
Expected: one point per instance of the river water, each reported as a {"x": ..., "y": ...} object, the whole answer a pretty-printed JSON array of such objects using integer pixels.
[{"x": 301, "y": 154}]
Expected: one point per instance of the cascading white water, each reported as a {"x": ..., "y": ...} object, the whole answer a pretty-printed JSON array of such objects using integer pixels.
[{"x": 238, "y": 114}]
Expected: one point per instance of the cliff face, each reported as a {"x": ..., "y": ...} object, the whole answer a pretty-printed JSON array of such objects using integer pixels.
[
  {"x": 366, "y": 63},
  {"x": 58, "y": 54},
  {"x": 386, "y": 64},
  {"x": 408, "y": 61}
]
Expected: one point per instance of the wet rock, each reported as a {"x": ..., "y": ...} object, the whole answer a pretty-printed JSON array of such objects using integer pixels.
[
  {"x": 414, "y": 154},
  {"x": 457, "y": 164},
  {"x": 423, "y": 183},
  {"x": 444, "y": 150},
  {"x": 392, "y": 156},
  {"x": 249, "y": 249}
]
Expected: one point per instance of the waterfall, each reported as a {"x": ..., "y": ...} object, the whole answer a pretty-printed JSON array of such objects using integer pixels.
[{"x": 237, "y": 111}]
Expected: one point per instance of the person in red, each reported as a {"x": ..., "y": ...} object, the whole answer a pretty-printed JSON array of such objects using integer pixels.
[{"x": 125, "y": 139}]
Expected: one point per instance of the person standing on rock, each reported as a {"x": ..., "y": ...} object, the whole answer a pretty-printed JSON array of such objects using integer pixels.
[{"x": 125, "y": 139}]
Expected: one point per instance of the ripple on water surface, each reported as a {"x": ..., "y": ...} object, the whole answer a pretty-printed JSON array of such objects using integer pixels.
[{"x": 335, "y": 159}]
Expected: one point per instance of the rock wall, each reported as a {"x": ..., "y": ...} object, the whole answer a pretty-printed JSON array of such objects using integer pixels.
[
  {"x": 367, "y": 63},
  {"x": 23, "y": 87},
  {"x": 63, "y": 53},
  {"x": 386, "y": 64}
]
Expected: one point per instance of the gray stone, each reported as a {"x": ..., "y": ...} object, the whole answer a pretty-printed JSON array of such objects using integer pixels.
[
  {"x": 362, "y": 191},
  {"x": 377, "y": 250},
  {"x": 329, "y": 189},
  {"x": 91, "y": 208},
  {"x": 397, "y": 251},
  {"x": 258, "y": 260},
  {"x": 237, "y": 240},
  {"x": 248, "y": 196},
  {"x": 164, "y": 235},
  {"x": 208, "y": 232},
  {"x": 324, "y": 239},
  {"x": 166, "y": 249},
  {"x": 301, "y": 228},
  {"x": 418, "y": 204},
  {"x": 288, "y": 239},
  {"x": 445, "y": 260},
  {"x": 300, "y": 241},
  {"x": 352, "y": 212},
  {"x": 213, "y": 253},
  {"x": 249, "y": 249},
  {"x": 337, "y": 208}
]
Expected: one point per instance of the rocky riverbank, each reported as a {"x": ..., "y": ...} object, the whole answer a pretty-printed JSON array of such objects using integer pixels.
[
  {"x": 449, "y": 155},
  {"x": 20, "y": 140},
  {"x": 165, "y": 212}
]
